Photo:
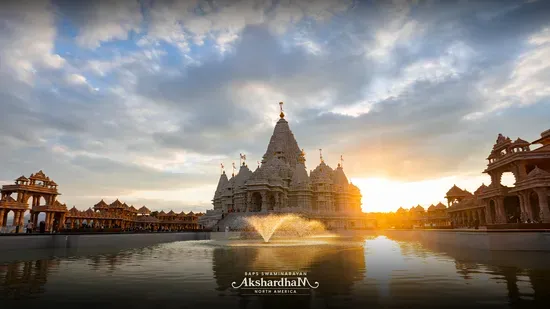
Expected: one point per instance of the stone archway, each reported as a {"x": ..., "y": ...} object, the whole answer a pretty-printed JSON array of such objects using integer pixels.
[
  {"x": 512, "y": 209},
  {"x": 256, "y": 202}
]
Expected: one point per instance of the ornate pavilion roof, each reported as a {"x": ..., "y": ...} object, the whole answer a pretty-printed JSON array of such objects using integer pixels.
[
  {"x": 39, "y": 176},
  {"x": 480, "y": 189},
  {"x": 521, "y": 142},
  {"x": 116, "y": 204},
  {"x": 22, "y": 178},
  {"x": 440, "y": 206},
  {"x": 457, "y": 192},
  {"x": 144, "y": 210},
  {"x": 101, "y": 205},
  {"x": 538, "y": 172},
  {"x": 501, "y": 142}
]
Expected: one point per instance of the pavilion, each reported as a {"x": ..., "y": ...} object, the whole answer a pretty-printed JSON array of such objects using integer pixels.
[{"x": 42, "y": 192}]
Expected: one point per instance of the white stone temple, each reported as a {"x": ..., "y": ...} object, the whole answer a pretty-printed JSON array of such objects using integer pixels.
[{"x": 282, "y": 184}]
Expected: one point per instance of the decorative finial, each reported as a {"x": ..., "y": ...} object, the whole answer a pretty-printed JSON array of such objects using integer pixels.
[
  {"x": 342, "y": 161},
  {"x": 258, "y": 164},
  {"x": 234, "y": 168},
  {"x": 223, "y": 171},
  {"x": 321, "y": 155},
  {"x": 243, "y": 159},
  {"x": 282, "y": 114}
]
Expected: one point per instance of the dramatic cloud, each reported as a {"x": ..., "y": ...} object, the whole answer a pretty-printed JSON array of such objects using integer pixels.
[{"x": 143, "y": 100}]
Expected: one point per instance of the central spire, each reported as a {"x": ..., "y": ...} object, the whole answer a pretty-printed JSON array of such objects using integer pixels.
[{"x": 282, "y": 143}]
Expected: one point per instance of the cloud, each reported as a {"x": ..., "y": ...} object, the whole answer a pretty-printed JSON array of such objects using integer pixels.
[
  {"x": 143, "y": 100},
  {"x": 27, "y": 46},
  {"x": 103, "y": 21},
  {"x": 76, "y": 79}
]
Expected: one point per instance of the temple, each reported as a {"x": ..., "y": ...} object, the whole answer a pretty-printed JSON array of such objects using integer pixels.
[
  {"x": 42, "y": 193},
  {"x": 495, "y": 204},
  {"x": 281, "y": 184}
]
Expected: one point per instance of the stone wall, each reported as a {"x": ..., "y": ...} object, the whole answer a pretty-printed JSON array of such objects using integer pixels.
[{"x": 83, "y": 241}]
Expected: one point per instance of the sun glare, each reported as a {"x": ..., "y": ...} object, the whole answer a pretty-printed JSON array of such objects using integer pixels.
[{"x": 385, "y": 195}]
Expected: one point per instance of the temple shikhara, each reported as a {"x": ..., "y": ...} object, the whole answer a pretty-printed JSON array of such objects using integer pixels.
[
  {"x": 42, "y": 192},
  {"x": 281, "y": 184}
]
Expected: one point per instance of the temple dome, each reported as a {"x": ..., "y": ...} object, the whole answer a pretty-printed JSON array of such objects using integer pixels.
[
  {"x": 322, "y": 173},
  {"x": 339, "y": 177},
  {"x": 241, "y": 178},
  {"x": 221, "y": 185},
  {"x": 300, "y": 179}
]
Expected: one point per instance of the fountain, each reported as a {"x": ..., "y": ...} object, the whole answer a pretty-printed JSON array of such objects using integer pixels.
[{"x": 285, "y": 225}]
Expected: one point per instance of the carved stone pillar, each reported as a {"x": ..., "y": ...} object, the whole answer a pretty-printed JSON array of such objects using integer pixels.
[
  {"x": 264, "y": 201},
  {"x": 22, "y": 218},
  {"x": 2, "y": 217},
  {"x": 543, "y": 204},
  {"x": 501, "y": 213},
  {"x": 16, "y": 215},
  {"x": 248, "y": 201},
  {"x": 526, "y": 201},
  {"x": 277, "y": 207}
]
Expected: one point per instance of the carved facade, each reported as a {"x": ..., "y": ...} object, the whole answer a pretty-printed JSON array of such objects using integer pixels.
[
  {"x": 282, "y": 183},
  {"x": 526, "y": 201},
  {"x": 41, "y": 192}
]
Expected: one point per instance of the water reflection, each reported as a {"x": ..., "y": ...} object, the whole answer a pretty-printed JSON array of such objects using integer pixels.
[
  {"x": 393, "y": 271},
  {"x": 517, "y": 278},
  {"x": 336, "y": 266},
  {"x": 25, "y": 279}
]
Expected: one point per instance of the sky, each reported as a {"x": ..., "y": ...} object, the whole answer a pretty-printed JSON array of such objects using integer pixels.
[{"x": 143, "y": 100}]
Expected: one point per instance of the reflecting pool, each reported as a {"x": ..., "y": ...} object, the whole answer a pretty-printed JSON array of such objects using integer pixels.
[{"x": 366, "y": 271}]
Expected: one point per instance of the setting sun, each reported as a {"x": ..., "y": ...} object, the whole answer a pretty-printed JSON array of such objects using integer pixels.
[{"x": 385, "y": 195}]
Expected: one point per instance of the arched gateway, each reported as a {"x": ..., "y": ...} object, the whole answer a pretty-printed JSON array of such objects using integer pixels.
[{"x": 38, "y": 190}]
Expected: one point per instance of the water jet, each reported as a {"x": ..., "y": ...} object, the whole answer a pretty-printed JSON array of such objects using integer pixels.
[{"x": 288, "y": 225}]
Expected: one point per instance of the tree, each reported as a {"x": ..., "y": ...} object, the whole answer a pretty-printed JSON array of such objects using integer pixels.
[{"x": 154, "y": 213}]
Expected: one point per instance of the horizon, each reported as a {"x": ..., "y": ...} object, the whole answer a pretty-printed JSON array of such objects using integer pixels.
[{"x": 142, "y": 101}]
